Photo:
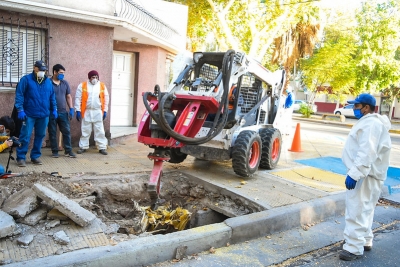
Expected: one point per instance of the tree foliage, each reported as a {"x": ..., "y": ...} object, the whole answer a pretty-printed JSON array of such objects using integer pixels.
[
  {"x": 251, "y": 26},
  {"x": 378, "y": 30}
]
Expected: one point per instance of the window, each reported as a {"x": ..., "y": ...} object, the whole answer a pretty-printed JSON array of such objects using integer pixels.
[{"x": 20, "y": 47}]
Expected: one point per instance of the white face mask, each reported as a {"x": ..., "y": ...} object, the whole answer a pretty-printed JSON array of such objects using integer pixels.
[
  {"x": 40, "y": 74},
  {"x": 94, "y": 81}
]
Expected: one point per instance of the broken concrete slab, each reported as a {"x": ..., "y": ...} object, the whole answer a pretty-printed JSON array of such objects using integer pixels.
[
  {"x": 34, "y": 217},
  {"x": 25, "y": 240},
  {"x": 21, "y": 203},
  {"x": 52, "y": 224},
  {"x": 8, "y": 227},
  {"x": 68, "y": 207},
  {"x": 61, "y": 238}
]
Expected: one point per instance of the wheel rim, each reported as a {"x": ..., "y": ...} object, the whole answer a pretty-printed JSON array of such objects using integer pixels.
[
  {"x": 275, "y": 149},
  {"x": 254, "y": 154}
]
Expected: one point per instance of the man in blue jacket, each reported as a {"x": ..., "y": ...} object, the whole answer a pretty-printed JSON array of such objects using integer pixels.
[{"x": 34, "y": 100}]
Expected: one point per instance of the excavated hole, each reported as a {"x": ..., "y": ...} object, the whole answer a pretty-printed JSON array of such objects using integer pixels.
[{"x": 117, "y": 200}]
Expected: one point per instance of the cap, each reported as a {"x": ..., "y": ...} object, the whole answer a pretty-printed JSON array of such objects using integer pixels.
[
  {"x": 41, "y": 65},
  {"x": 364, "y": 99},
  {"x": 92, "y": 73}
]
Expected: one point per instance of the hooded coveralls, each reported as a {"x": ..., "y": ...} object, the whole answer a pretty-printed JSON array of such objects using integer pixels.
[
  {"x": 93, "y": 115},
  {"x": 366, "y": 156}
]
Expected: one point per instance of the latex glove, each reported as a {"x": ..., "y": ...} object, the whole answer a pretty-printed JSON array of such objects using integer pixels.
[
  {"x": 104, "y": 115},
  {"x": 55, "y": 114},
  {"x": 350, "y": 183},
  {"x": 71, "y": 113},
  {"x": 78, "y": 116},
  {"x": 21, "y": 115}
]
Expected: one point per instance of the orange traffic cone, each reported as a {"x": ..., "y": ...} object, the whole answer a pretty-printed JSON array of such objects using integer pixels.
[{"x": 296, "y": 144}]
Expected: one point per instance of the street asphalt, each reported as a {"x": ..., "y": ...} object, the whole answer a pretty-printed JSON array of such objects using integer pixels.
[{"x": 128, "y": 156}]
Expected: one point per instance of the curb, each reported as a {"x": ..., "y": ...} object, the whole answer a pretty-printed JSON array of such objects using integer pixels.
[
  {"x": 159, "y": 248},
  {"x": 337, "y": 123}
]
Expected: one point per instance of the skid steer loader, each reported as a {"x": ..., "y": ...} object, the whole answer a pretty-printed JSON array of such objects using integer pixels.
[{"x": 222, "y": 106}]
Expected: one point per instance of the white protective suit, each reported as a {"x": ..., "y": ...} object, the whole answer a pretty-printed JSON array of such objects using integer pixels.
[
  {"x": 366, "y": 156},
  {"x": 93, "y": 115}
]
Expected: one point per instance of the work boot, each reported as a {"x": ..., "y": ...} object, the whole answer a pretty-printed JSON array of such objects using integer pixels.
[
  {"x": 347, "y": 256},
  {"x": 103, "y": 151},
  {"x": 367, "y": 248},
  {"x": 21, "y": 163},
  {"x": 81, "y": 151},
  {"x": 54, "y": 155},
  {"x": 36, "y": 161},
  {"x": 70, "y": 154}
]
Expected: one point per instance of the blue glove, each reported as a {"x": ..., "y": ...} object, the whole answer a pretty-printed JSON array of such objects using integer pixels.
[
  {"x": 78, "y": 116},
  {"x": 104, "y": 115},
  {"x": 21, "y": 115},
  {"x": 55, "y": 114},
  {"x": 71, "y": 113},
  {"x": 350, "y": 183}
]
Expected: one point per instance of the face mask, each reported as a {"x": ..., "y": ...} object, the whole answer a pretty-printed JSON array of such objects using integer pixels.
[
  {"x": 40, "y": 74},
  {"x": 357, "y": 113},
  {"x": 94, "y": 81},
  {"x": 60, "y": 76}
]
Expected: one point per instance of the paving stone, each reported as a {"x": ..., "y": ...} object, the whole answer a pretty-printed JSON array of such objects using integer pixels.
[
  {"x": 8, "y": 227},
  {"x": 34, "y": 217},
  {"x": 21, "y": 203},
  {"x": 25, "y": 240},
  {"x": 61, "y": 238},
  {"x": 68, "y": 207}
]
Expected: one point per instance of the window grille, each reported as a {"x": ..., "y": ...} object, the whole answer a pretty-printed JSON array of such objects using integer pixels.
[{"x": 21, "y": 43}]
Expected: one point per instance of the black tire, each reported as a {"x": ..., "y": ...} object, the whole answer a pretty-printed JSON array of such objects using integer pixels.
[
  {"x": 338, "y": 113},
  {"x": 177, "y": 156},
  {"x": 271, "y": 140},
  {"x": 246, "y": 153}
]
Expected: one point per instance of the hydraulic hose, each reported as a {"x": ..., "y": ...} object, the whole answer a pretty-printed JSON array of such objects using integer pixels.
[{"x": 218, "y": 123}]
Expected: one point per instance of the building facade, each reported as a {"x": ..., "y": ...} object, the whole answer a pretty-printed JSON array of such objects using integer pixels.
[{"x": 130, "y": 43}]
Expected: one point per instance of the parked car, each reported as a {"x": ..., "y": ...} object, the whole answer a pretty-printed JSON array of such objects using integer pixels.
[
  {"x": 346, "y": 111},
  {"x": 298, "y": 103}
]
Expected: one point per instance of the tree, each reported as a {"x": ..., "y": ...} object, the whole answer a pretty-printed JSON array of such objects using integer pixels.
[
  {"x": 378, "y": 30},
  {"x": 250, "y": 26},
  {"x": 332, "y": 65}
]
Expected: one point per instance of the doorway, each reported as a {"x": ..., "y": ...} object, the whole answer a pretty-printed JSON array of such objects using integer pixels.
[{"x": 122, "y": 100}]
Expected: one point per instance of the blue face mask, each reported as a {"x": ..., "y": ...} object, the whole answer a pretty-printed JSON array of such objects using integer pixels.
[
  {"x": 357, "y": 113},
  {"x": 60, "y": 76}
]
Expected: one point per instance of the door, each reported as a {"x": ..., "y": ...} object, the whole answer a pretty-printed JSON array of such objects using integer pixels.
[{"x": 122, "y": 89}]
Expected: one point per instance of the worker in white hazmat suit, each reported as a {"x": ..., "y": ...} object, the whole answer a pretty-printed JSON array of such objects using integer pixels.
[
  {"x": 91, "y": 105},
  {"x": 366, "y": 156}
]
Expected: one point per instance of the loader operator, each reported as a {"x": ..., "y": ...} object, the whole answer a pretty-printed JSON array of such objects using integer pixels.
[{"x": 366, "y": 156}]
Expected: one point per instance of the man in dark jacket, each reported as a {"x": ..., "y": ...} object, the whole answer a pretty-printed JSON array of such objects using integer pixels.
[{"x": 34, "y": 100}]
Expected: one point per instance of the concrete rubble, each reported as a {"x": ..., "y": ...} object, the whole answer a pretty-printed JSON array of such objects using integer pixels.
[{"x": 31, "y": 206}]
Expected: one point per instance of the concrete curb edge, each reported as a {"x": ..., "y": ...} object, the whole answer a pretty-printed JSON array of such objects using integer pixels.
[{"x": 158, "y": 248}]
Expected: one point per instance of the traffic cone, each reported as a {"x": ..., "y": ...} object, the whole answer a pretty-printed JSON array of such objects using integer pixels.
[{"x": 296, "y": 144}]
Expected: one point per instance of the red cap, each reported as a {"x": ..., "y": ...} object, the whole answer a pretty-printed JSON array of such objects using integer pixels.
[{"x": 92, "y": 73}]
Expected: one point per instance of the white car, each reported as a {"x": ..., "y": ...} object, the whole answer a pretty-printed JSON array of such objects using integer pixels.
[
  {"x": 297, "y": 104},
  {"x": 346, "y": 111}
]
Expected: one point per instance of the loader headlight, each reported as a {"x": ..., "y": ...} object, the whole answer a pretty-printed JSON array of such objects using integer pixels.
[
  {"x": 197, "y": 56},
  {"x": 242, "y": 122}
]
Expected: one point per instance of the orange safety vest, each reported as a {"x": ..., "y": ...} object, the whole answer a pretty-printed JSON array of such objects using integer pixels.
[{"x": 85, "y": 96}]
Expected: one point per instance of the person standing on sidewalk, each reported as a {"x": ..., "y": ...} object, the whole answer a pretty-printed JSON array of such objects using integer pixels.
[
  {"x": 34, "y": 100},
  {"x": 366, "y": 156},
  {"x": 63, "y": 97},
  {"x": 91, "y": 105},
  {"x": 288, "y": 110}
]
